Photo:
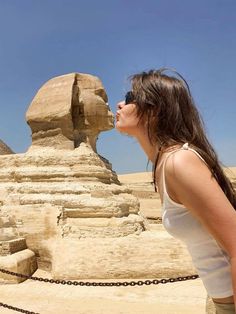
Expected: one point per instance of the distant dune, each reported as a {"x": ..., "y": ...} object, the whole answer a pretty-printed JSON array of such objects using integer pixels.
[
  {"x": 138, "y": 177},
  {"x": 143, "y": 177}
]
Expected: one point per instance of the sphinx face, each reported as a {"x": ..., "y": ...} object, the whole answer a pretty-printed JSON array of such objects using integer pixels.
[{"x": 93, "y": 111}]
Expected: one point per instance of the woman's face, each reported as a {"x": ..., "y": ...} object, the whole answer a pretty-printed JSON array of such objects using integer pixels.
[{"x": 127, "y": 120}]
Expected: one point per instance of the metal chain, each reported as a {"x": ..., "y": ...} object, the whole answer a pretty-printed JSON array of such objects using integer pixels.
[
  {"x": 102, "y": 284},
  {"x": 14, "y": 308},
  {"x": 87, "y": 283}
]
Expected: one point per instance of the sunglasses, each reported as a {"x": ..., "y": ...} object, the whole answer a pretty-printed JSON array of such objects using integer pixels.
[{"x": 129, "y": 98}]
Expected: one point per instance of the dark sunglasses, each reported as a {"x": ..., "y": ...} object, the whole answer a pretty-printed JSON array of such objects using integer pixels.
[{"x": 129, "y": 98}]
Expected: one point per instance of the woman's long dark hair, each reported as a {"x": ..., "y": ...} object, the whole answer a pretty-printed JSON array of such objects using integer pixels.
[{"x": 168, "y": 107}]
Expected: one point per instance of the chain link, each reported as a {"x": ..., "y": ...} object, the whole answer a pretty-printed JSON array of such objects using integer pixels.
[
  {"x": 94, "y": 284},
  {"x": 102, "y": 284},
  {"x": 14, "y": 308}
]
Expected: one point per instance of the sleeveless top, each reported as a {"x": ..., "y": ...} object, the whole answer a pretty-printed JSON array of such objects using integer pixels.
[{"x": 210, "y": 260}]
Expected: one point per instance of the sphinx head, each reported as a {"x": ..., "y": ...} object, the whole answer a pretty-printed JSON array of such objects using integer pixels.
[{"x": 69, "y": 110}]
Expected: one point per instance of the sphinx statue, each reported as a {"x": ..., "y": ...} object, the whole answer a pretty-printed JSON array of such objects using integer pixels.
[{"x": 66, "y": 200}]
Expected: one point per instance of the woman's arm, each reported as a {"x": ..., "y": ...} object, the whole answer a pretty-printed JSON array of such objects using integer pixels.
[{"x": 190, "y": 182}]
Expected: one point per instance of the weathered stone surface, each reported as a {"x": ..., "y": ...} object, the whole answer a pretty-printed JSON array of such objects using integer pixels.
[
  {"x": 12, "y": 246},
  {"x": 8, "y": 230},
  {"x": 151, "y": 254},
  {"x": 23, "y": 262},
  {"x": 68, "y": 110},
  {"x": 103, "y": 228},
  {"x": 14, "y": 255}
]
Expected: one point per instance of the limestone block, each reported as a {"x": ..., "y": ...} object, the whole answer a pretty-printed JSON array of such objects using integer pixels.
[
  {"x": 12, "y": 246},
  {"x": 51, "y": 188},
  {"x": 103, "y": 227},
  {"x": 8, "y": 227},
  {"x": 23, "y": 262},
  {"x": 36, "y": 224},
  {"x": 148, "y": 255},
  {"x": 85, "y": 205},
  {"x": 6, "y": 221},
  {"x": 82, "y": 164}
]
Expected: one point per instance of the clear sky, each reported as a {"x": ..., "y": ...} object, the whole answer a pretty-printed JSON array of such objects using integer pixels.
[{"x": 112, "y": 39}]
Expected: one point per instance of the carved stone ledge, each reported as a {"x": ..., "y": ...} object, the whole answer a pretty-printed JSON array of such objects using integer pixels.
[{"x": 12, "y": 246}]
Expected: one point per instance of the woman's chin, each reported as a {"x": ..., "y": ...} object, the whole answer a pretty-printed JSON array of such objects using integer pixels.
[
  {"x": 124, "y": 130},
  {"x": 118, "y": 126},
  {"x": 119, "y": 129}
]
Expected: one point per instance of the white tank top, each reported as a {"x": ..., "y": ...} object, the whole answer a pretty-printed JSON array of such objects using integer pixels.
[{"x": 211, "y": 261}]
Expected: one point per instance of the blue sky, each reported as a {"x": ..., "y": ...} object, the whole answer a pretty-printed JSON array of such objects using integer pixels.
[{"x": 40, "y": 39}]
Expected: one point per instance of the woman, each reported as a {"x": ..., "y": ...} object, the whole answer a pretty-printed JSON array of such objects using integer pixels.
[{"x": 198, "y": 200}]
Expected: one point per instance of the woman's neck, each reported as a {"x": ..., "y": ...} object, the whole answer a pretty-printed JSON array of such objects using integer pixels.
[
  {"x": 150, "y": 149},
  {"x": 153, "y": 150}
]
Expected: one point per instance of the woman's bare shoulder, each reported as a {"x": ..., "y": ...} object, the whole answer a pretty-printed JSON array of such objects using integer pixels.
[{"x": 183, "y": 163}]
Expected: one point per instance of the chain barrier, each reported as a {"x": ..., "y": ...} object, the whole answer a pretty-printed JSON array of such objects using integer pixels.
[
  {"x": 14, "y": 308},
  {"x": 94, "y": 284},
  {"x": 101, "y": 284}
]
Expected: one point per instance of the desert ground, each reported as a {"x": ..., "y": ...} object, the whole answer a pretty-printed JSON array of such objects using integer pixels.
[{"x": 173, "y": 298}]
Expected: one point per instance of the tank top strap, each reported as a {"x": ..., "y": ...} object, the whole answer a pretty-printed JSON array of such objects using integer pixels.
[
  {"x": 184, "y": 147},
  {"x": 163, "y": 170}
]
